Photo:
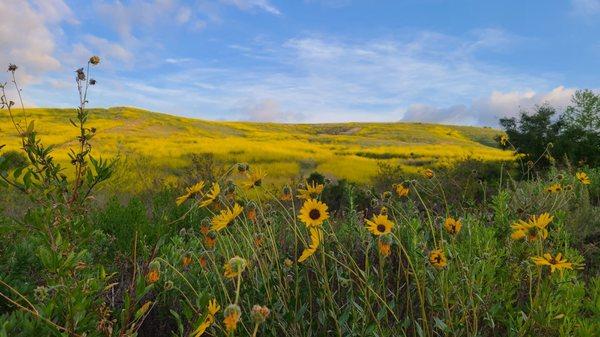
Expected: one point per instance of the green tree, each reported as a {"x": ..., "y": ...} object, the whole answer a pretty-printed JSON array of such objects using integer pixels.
[{"x": 580, "y": 134}]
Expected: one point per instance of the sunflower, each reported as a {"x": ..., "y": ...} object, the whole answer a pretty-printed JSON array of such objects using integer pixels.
[
  {"x": 211, "y": 196},
  {"x": 190, "y": 192},
  {"x": 428, "y": 173},
  {"x": 555, "y": 263},
  {"x": 554, "y": 188},
  {"x": 210, "y": 240},
  {"x": 315, "y": 241},
  {"x": 402, "y": 190},
  {"x": 311, "y": 191},
  {"x": 380, "y": 225},
  {"x": 583, "y": 178},
  {"x": 533, "y": 228},
  {"x": 226, "y": 217},
  {"x": 452, "y": 226},
  {"x": 437, "y": 258},
  {"x": 232, "y": 317},
  {"x": 503, "y": 140},
  {"x": 153, "y": 276},
  {"x": 186, "y": 260},
  {"x": 313, "y": 213},
  {"x": 384, "y": 246},
  {"x": 234, "y": 267},
  {"x": 213, "y": 308},
  {"x": 255, "y": 179}
]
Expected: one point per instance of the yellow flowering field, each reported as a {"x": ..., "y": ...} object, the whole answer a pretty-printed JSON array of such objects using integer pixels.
[{"x": 349, "y": 150}]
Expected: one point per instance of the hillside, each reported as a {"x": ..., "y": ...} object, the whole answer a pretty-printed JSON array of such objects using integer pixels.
[{"x": 346, "y": 150}]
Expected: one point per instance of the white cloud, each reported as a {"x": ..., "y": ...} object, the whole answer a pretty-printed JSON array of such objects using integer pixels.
[
  {"x": 585, "y": 8},
  {"x": 252, "y": 4},
  {"x": 488, "y": 110},
  {"x": 29, "y": 32},
  {"x": 269, "y": 110}
]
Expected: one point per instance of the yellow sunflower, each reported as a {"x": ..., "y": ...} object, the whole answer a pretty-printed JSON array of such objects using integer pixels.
[
  {"x": 255, "y": 179},
  {"x": 555, "y": 263},
  {"x": 213, "y": 308},
  {"x": 315, "y": 241},
  {"x": 211, "y": 196},
  {"x": 428, "y": 173},
  {"x": 234, "y": 267},
  {"x": 232, "y": 317},
  {"x": 384, "y": 246},
  {"x": 532, "y": 229},
  {"x": 313, "y": 213},
  {"x": 452, "y": 226},
  {"x": 554, "y": 188},
  {"x": 503, "y": 140},
  {"x": 380, "y": 225},
  {"x": 437, "y": 258},
  {"x": 402, "y": 190},
  {"x": 226, "y": 217},
  {"x": 583, "y": 178},
  {"x": 287, "y": 194},
  {"x": 311, "y": 191},
  {"x": 190, "y": 192}
]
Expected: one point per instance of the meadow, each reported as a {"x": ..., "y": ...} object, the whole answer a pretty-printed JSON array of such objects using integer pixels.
[
  {"x": 165, "y": 144},
  {"x": 434, "y": 232}
]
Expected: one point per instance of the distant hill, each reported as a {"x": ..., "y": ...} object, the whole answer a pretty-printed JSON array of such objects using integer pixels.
[{"x": 154, "y": 142}]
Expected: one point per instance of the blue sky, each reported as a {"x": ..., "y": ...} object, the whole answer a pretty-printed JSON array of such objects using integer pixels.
[{"x": 457, "y": 62}]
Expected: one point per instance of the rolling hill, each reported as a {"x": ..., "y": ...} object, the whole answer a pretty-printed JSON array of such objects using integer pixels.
[{"x": 159, "y": 144}]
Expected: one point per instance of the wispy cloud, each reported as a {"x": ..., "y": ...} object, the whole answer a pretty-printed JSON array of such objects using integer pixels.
[
  {"x": 589, "y": 9},
  {"x": 264, "y": 5}
]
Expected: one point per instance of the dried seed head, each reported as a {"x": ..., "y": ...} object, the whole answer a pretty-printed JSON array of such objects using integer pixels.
[
  {"x": 94, "y": 60},
  {"x": 12, "y": 67},
  {"x": 80, "y": 74},
  {"x": 92, "y": 81}
]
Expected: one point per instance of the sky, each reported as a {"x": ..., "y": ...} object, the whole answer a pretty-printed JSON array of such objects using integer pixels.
[{"x": 442, "y": 61}]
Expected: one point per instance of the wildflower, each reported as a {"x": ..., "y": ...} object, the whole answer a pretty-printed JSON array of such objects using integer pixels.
[
  {"x": 251, "y": 214},
  {"x": 452, "y": 226},
  {"x": 213, "y": 308},
  {"x": 186, "y": 260},
  {"x": 191, "y": 192},
  {"x": 153, "y": 275},
  {"x": 555, "y": 263},
  {"x": 12, "y": 67},
  {"x": 383, "y": 210},
  {"x": 554, "y": 188},
  {"x": 226, "y": 217},
  {"x": 211, "y": 196},
  {"x": 202, "y": 261},
  {"x": 288, "y": 263},
  {"x": 384, "y": 245},
  {"x": 532, "y": 229},
  {"x": 234, "y": 267},
  {"x": 287, "y": 194},
  {"x": 94, "y": 60},
  {"x": 313, "y": 213},
  {"x": 583, "y": 178},
  {"x": 232, "y": 317},
  {"x": 380, "y": 225},
  {"x": 210, "y": 240},
  {"x": 315, "y": 241},
  {"x": 311, "y": 191},
  {"x": 437, "y": 258},
  {"x": 568, "y": 188},
  {"x": 402, "y": 190},
  {"x": 503, "y": 140},
  {"x": 255, "y": 179},
  {"x": 428, "y": 173},
  {"x": 259, "y": 313},
  {"x": 386, "y": 195}
]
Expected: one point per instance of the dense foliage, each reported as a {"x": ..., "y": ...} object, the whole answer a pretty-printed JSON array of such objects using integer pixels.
[{"x": 542, "y": 137}]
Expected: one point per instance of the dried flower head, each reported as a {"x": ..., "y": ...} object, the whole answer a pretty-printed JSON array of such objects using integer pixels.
[
  {"x": 80, "y": 74},
  {"x": 12, "y": 67},
  {"x": 94, "y": 60},
  {"x": 259, "y": 313}
]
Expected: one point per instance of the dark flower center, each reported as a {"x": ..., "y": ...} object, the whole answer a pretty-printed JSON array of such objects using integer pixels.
[
  {"x": 381, "y": 228},
  {"x": 314, "y": 214}
]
